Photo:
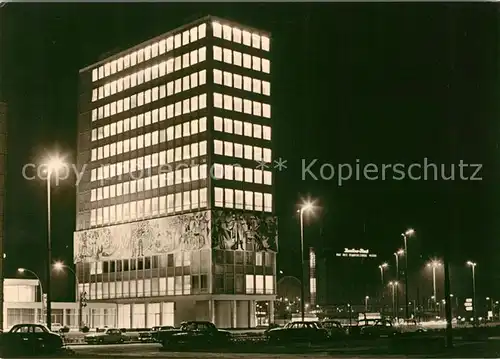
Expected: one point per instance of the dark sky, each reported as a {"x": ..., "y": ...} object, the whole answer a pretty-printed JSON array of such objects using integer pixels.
[{"x": 381, "y": 83}]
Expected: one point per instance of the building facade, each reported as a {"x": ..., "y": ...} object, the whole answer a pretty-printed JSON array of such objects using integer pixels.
[{"x": 175, "y": 212}]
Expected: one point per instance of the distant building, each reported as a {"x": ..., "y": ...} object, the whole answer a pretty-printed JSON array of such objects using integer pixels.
[{"x": 175, "y": 219}]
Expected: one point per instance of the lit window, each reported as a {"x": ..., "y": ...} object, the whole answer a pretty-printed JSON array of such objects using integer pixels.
[
  {"x": 238, "y": 104},
  {"x": 193, "y": 57},
  {"x": 170, "y": 43},
  {"x": 247, "y": 61},
  {"x": 162, "y": 46},
  {"x": 217, "y": 53},
  {"x": 218, "y": 77},
  {"x": 247, "y": 38},
  {"x": 202, "y": 31},
  {"x": 202, "y": 101},
  {"x": 257, "y": 131},
  {"x": 178, "y": 202},
  {"x": 227, "y": 32},
  {"x": 218, "y": 148},
  {"x": 228, "y": 148},
  {"x": 218, "y": 197},
  {"x": 237, "y": 35},
  {"x": 247, "y": 83},
  {"x": 237, "y": 58},
  {"x": 170, "y": 66},
  {"x": 101, "y": 72},
  {"x": 218, "y": 171},
  {"x": 238, "y": 173},
  {"x": 258, "y": 201},
  {"x": 248, "y": 152},
  {"x": 256, "y": 85},
  {"x": 194, "y": 104},
  {"x": 202, "y": 54},
  {"x": 228, "y": 102},
  {"x": 178, "y": 131},
  {"x": 266, "y": 132},
  {"x": 265, "y": 43},
  {"x": 185, "y": 83},
  {"x": 228, "y": 79},
  {"x": 218, "y": 100},
  {"x": 249, "y": 282},
  {"x": 177, "y": 41},
  {"x": 228, "y": 172},
  {"x": 147, "y": 74},
  {"x": 249, "y": 200},
  {"x": 237, "y": 81},
  {"x": 107, "y": 69},
  {"x": 94, "y": 75},
  {"x": 193, "y": 34},
  {"x": 247, "y": 106},
  {"x": 257, "y": 176},
  {"x": 185, "y": 60},
  {"x": 266, "y": 88},
  {"x": 154, "y": 72},
  {"x": 267, "y": 155},
  {"x": 228, "y": 198},
  {"x": 178, "y": 85},
  {"x": 238, "y": 150},
  {"x": 194, "y": 127},
  {"x": 257, "y": 154},
  {"x": 257, "y": 108},
  {"x": 203, "y": 77},
  {"x": 203, "y": 124},
  {"x": 217, "y": 29},
  {"x": 266, "y": 110},
  {"x": 170, "y": 88},
  {"x": 227, "y": 56},
  {"x": 185, "y": 38},
  {"x": 268, "y": 202},
  {"x": 194, "y": 199},
  {"x": 94, "y": 94},
  {"x": 270, "y": 284},
  {"x": 217, "y": 123},
  {"x": 238, "y": 127},
  {"x": 147, "y": 53},
  {"x": 178, "y": 63},
  {"x": 228, "y": 125},
  {"x": 256, "y": 41},
  {"x": 268, "y": 178}
]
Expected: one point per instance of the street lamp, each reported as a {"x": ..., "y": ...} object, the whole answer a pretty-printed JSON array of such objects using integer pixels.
[
  {"x": 60, "y": 266},
  {"x": 366, "y": 304},
  {"x": 400, "y": 252},
  {"x": 304, "y": 207},
  {"x": 409, "y": 232},
  {"x": 434, "y": 264},
  {"x": 53, "y": 164},
  {"x": 22, "y": 271},
  {"x": 473, "y": 267},
  {"x": 382, "y": 267},
  {"x": 393, "y": 285}
]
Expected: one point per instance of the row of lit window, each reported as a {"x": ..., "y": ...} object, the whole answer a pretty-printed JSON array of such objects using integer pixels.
[
  {"x": 244, "y": 37},
  {"x": 150, "y": 73},
  {"x": 145, "y": 119},
  {"x": 233, "y": 103},
  {"x": 248, "y": 200},
  {"x": 242, "y": 82},
  {"x": 242, "y": 128},
  {"x": 150, "y": 207},
  {"x": 143, "y": 98},
  {"x": 143, "y": 141},
  {"x": 179, "y": 285},
  {"x": 160, "y": 159},
  {"x": 238, "y": 150},
  {"x": 259, "y": 284},
  {"x": 185, "y": 175},
  {"x": 238, "y": 173},
  {"x": 237, "y": 58},
  {"x": 150, "y": 51}
]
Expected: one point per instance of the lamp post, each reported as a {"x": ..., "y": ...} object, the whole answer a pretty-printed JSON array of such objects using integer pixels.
[
  {"x": 393, "y": 285},
  {"x": 305, "y": 207},
  {"x": 54, "y": 164},
  {"x": 434, "y": 264},
  {"x": 400, "y": 252},
  {"x": 474, "y": 304},
  {"x": 23, "y": 270},
  {"x": 382, "y": 267},
  {"x": 408, "y": 233},
  {"x": 366, "y": 304},
  {"x": 60, "y": 266}
]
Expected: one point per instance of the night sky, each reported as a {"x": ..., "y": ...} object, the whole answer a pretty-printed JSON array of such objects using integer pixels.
[{"x": 378, "y": 83}]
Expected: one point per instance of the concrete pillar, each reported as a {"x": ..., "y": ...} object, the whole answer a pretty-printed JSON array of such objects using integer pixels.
[
  {"x": 251, "y": 313},
  {"x": 233, "y": 314},
  {"x": 211, "y": 304},
  {"x": 271, "y": 311},
  {"x": 64, "y": 323}
]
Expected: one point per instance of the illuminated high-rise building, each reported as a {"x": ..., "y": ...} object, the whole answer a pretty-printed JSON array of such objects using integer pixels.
[{"x": 175, "y": 212}]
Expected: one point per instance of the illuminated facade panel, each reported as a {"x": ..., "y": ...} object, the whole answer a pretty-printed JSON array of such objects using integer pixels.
[{"x": 164, "y": 221}]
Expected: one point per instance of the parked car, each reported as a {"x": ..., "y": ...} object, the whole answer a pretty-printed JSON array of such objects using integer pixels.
[
  {"x": 155, "y": 330},
  {"x": 108, "y": 336},
  {"x": 311, "y": 332},
  {"x": 382, "y": 328},
  {"x": 335, "y": 329},
  {"x": 194, "y": 334},
  {"x": 23, "y": 339}
]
